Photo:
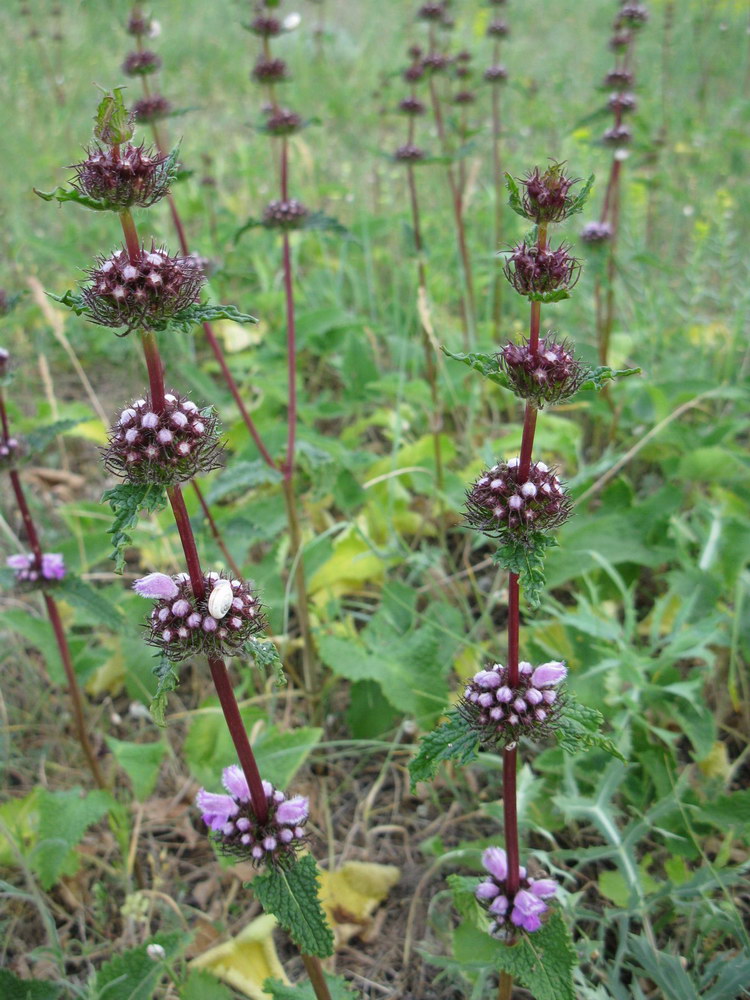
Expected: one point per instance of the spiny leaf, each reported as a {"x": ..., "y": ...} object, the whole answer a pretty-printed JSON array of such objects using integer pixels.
[
  {"x": 486, "y": 364},
  {"x": 134, "y": 975},
  {"x": 526, "y": 559},
  {"x": 598, "y": 377},
  {"x": 337, "y": 987},
  {"x": 80, "y": 595},
  {"x": 168, "y": 680},
  {"x": 452, "y": 740},
  {"x": 126, "y": 501},
  {"x": 579, "y": 729},
  {"x": 291, "y": 895}
]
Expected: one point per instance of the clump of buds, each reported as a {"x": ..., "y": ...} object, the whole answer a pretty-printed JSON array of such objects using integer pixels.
[
  {"x": 219, "y": 624},
  {"x": 547, "y": 374},
  {"x": 501, "y": 714},
  {"x": 631, "y": 15},
  {"x": 409, "y": 153},
  {"x": 163, "y": 448},
  {"x": 619, "y": 78},
  {"x": 435, "y": 62},
  {"x": 622, "y": 102},
  {"x": 547, "y": 197},
  {"x": 282, "y": 121},
  {"x": 596, "y": 232},
  {"x": 265, "y": 26},
  {"x": 464, "y": 97},
  {"x": 142, "y": 293},
  {"x": 412, "y": 106},
  {"x": 10, "y": 451},
  {"x": 498, "y": 29},
  {"x": 123, "y": 177},
  {"x": 503, "y": 506},
  {"x": 289, "y": 214},
  {"x": 496, "y": 74},
  {"x": 236, "y": 831},
  {"x": 431, "y": 11},
  {"x": 414, "y": 72},
  {"x": 28, "y": 569},
  {"x": 269, "y": 70},
  {"x": 138, "y": 25},
  {"x": 620, "y": 40},
  {"x": 533, "y": 270},
  {"x": 151, "y": 109},
  {"x": 524, "y": 909},
  {"x": 618, "y": 135},
  {"x": 141, "y": 63}
]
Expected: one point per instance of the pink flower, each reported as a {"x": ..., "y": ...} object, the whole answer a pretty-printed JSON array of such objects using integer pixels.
[
  {"x": 216, "y": 809},
  {"x": 527, "y": 909},
  {"x": 157, "y": 585},
  {"x": 495, "y": 861},
  {"x": 234, "y": 780},
  {"x": 549, "y": 673},
  {"x": 543, "y": 887},
  {"x": 53, "y": 566},
  {"x": 293, "y": 811}
]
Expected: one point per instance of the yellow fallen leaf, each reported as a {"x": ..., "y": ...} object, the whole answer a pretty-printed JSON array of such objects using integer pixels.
[
  {"x": 237, "y": 336},
  {"x": 351, "y": 894},
  {"x": 247, "y": 960}
]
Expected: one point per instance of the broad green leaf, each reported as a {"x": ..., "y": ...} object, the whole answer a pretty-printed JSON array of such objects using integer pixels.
[
  {"x": 140, "y": 761},
  {"x": 134, "y": 975},
  {"x": 79, "y": 594},
  {"x": 13, "y": 988},
  {"x": 579, "y": 729},
  {"x": 64, "y": 818},
  {"x": 452, "y": 740},
  {"x": 202, "y": 985},
  {"x": 598, "y": 377},
  {"x": 526, "y": 559},
  {"x": 113, "y": 123},
  {"x": 280, "y": 754},
  {"x": 42, "y": 437},
  {"x": 463, "y": 890},
  {"x": 666, "y": 971},
  {"x": 127, "y": 500},
  {"x": 240, "y": 477},
  {"x": 291, "y": 895},
  {"x": 20, "y": 817},
  {"x": 337, "y": 987}
]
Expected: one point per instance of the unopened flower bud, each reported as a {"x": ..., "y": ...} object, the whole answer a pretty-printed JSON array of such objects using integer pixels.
[
  {"x": 148, "y": 110},
  {"x": 596, "y": 232},
  {"x": 496, "y": 505},
  {"x": 496, "y": 74},
  {"x": 269, "y": 70},
  {"x": 409, "y": 153},
  {"x": 547, "y": 375},
  {"x": 288, "y": 214},
  {"x": 142, "y": 63},
  {"x": 533, "y": 270}
]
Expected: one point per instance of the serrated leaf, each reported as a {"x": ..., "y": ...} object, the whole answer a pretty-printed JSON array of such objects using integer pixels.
[
  {"x": 79, "y": 594},
  {"x": 557, "y": 296},
  {"x": 127, "y": 500},
  {"x": 526, "y": 559},
  {"x": 241, "y": 476},
  {"x": 486, "y": 364},
  {"x": 266, "y": 657},
  {"x": 579, "y": 729},
  {"x": 291, "y": 895},
  {"x": 452, "y": 740},
  {"x": 168, "y": 680},
  {"x": 13, "y": 988},
  {"x": 113, "y": 123},
  {"x": 514, "y": 196},
  {"x": 42, "y": 437},
  {"x": 543, "y": 962},
  {"x": 598, "y": 377},
  {"x": 62, "y": 194},
  {"x": 337, "y": 987},
  {"x": 198, "y": 313},
  {"x": 666, "y": 971},
  {"x": 463, "y": 890},
  {"x": 64, "y": 817},
  {"x": 576, "y": 205},
  {"x": 140, "y": 761},
  {"x": 134, "y": 975}
]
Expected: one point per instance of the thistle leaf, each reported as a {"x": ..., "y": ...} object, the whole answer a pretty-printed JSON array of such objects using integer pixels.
[
  {"x": 127, "y": 500},
  {"x": 598, "y": 377},
  {"x": 526, "y": 559}
]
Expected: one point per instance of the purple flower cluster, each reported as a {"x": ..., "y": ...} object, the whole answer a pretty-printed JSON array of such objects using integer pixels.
[
  {"x": 618, "y": 135},
  {"x": 496, "y": 74},
  {"x": 28, "y": 570},
  {"x": 501, "y": 714},
  {"x": 269, "y": 70},
  {"x": 619, "y": 78},
  {"x": 631, "y": 15},
  {"x": 534, "y": 270},
  {"x": 219, "y": 624},
  {"x": 123, "y": 177},
  {"x": 265, "y": 26},
  {"x": 412, "y": 106},
  {"x": 502, "y": 506},
  {"x": 622, "y": 102},
  {"x": 10, "y": 449},
  {"x": 525, "y": 909},
  {"x": 144, "y": 293},
  {"x": 141, "y": 63},
  {"x": 163, "y": 448},
  {"x": 288, "y": 214},
  {"x": 431, "y": 11},
  {"x": 283, "y": 121},
  {"x": 409, "y": 153},
  {"x": 547, "y": 196},
  {"x": 235, "y": 827},
  {"x": 4, "y": 355},
  {"x": 498, "y": 29},
  {"x": 151, "y": 109},
  {"x": 596, "y": 232},
  {"x": 550, "y": 373}
]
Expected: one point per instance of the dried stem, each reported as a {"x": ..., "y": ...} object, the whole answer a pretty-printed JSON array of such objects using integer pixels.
[{"x": 314, "y": 970}]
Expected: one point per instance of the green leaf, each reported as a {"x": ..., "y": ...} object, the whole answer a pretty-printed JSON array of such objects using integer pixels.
[
  {"x": 337, "y": 987},
  {"x": 134, "y": 975},
  {"x": 127, "y": 500},
  {"x": 240, "y": 477},
  {"x": 463, "y": 890},
  {"x": 140, "y": 761},
  {"x": 280, "y": 754},
  {"x": 579, "y": 730},
  {"x": 576, "y": 205},
  {"x": 526, "y": 559},
  {"x": 486, "y": 364},
  {"x": 543, "y": 962},
  {"x": 201, "y": 985},
  {"x": 291, "y": 895},
  {"x": 452, "y": 740},
  {"x": 168, "y": 680},
  {"x": 78, "y": 594},
  {"x": 319, "y": 220},
  {"x": 557, "y": 296},
  {"x": 63, "y": 194},
  {"x": 193, "y": 315},
  {"x": 113, "y": 123},
  {"x": 514, "y": 196},
  {"x": 598, "y": 377},
  {"x": 13, "y": 988},
  {"x": 64, "y": 818},
  {"x": 266, "y": 657},
  {"x": 666, "y": 970},
  {"x": 42, "y": 437}
]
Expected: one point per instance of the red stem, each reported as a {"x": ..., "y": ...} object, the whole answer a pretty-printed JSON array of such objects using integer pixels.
[
  {"x": 155, "y": 370},
  {"x": 534, "y": 325},
  {"x": 28, "y": 523},
  {"x": 131, "y": 236},
  {"x": 214, "y": 530},
  {"x": 510, "y": 816},
  {"x": 527, "y": 442},
  {"x": 291, "y": 337}
]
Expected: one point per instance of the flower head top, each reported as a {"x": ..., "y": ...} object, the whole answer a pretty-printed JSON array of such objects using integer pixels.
[
  {"x": 548, "y": 373},
  {"x": 235, "y": 828},
  {"x": 27, "y": 568},
  {"x": 596, "y": 232},
  {"x": 285, "y": 214},
  {"x": 547, "y": 197},
  {"x": 534, "y": 270},
  {"x": 524, "y": 909},
  {"x": 151, "y": 109},
  {"x": 163, "y": 448},
  {"x": 219, "y": 624},
  {"x": 501, "y": 714},
  {"x": 141, "y": 293},
  {"x": 502, "y": 505},
  {"x": 10, "y": 451}
]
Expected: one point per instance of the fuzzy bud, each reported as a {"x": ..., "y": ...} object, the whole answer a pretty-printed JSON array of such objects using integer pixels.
[
  {"x": 269, "y": 70},
  {"x": 618, "y": 135},
  {"x": 547, "y": 196},
  {"x": 524, "y": 909},
  {"x": 412, "y": 106},
  {"x": 464, "y": 97},
  {"x": 123, "y": 177},
  {"x": 497, "y": 29},
  {"x": 144, "y": 293},
  {"x": 409, "y": 153},
  {"x": 431, "y": 11},
  {"x": 151, "y": 109},
  {"x": 236, "y": 831},
  {"x": 435, "y": 62},
  {"x": 498, "y": 506},
  {"x": 534, "y": 270},
  {"x": 282, "y": 121},
  {"x": 496, "y": 74},
  {"x": 619, "y": 78},
  {"x": 289, "y": 214},
  {"x": 180, "y": 631},
  {"x": 265, "y": 26},
  {"x": 548, "y": 374},
  {"x": 596, "y": 232},
  {"x": 167, "y": 448},
  {"x": 142, "y": 63},
  {"x": 631, "y": 15},
  {"x": 622, "y": 102}
]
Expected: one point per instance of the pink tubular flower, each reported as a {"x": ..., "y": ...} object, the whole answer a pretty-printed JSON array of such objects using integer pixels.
[
  {"x": 525, "y": 909},
  {"x": 28, "y": 570},
  {"x": 549, "y": 674},
  {"x": 157, "y": 585},
  {"x": 495, "y": 861}
]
